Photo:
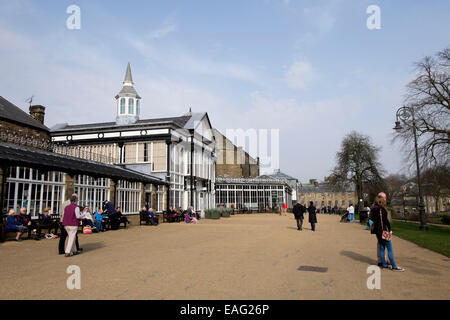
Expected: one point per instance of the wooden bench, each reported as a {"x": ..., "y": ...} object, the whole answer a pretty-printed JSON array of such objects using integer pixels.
[
  {"x": 3, "y": 231},
  {"x": 144, "y": 217}
]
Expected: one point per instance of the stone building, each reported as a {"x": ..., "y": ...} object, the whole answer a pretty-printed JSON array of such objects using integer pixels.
[
  {"x": 323, "y": 194},
  {"x": 239, "y": 183},
  {"x": 35, "y": 176},
  {"x": 179, "y": 150},
  {"x": 406, "y": 199},
  {"x": 233, "y": 161}
]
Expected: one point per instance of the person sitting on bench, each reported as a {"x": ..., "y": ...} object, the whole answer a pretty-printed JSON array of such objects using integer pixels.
[
  {"x": 87, "y": 217},
  {"x": 26, "y": 221},
  {"x": 152, "y": 219},
  {"x": 13, "y": 224},
  {"x": 172, "y": 215},
  {"x": 99, "y": 221},
  {"x": 121, "y": 217},
  {"x": 47, "y": 221}
]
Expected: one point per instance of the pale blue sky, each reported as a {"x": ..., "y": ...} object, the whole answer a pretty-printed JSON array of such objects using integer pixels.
[{"x": 310, "y": 68}]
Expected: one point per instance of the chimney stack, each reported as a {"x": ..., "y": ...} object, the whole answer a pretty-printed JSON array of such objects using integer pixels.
[{"x": 37, "y": 112}]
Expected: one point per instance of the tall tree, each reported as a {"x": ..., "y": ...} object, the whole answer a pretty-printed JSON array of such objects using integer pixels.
[
  {"x": 357, "y": 164},
  {"x": 429, "y": 96}
]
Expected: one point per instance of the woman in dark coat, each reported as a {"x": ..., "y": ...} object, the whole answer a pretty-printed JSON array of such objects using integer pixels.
[
  {"x": 378, "y": 214},
  {"x": 312, "y": 215}
]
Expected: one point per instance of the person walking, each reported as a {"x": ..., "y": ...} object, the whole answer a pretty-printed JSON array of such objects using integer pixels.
[
  {"x": 382, "y": 229},
  {"x": 71, "y": 223},
  {"x": 298, "y": 211},
  {"x": 351, "y": 213},
  {"x": 312, "y": 215}
]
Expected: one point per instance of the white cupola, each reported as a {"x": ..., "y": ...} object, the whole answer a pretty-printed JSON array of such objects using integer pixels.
[{"x": 128, "y": 101}]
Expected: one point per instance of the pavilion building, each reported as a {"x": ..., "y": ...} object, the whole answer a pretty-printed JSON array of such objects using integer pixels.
[{"x": 178, "y": 150}]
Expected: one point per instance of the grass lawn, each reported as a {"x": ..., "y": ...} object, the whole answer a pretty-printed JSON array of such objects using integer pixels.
[{"x": 435, "y": 238}]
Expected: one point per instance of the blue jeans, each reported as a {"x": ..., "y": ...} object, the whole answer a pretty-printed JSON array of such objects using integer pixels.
[
  {"x": 313, "y": 226},
  {"x": 98, "y": 225},
  {"x": 89, "y": 223},
  {"x": 351, "y": 217},
  {"x": 386, "y": 244}
]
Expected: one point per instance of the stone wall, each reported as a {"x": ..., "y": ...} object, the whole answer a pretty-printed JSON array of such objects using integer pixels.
[{"x": 24, "y": 131}]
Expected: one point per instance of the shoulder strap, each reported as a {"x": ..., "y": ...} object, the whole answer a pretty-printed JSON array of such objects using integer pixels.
[{"x": 381, "y": 219}]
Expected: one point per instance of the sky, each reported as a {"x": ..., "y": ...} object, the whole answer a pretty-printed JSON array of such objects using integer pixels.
[{"x": 311, "y": 69}]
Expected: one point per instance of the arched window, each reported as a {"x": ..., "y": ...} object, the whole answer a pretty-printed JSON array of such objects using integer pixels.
[
  {"x": 138, "y": 107},
  {"x": 122, "y": 106},
  {"x": 131, "y": 106}
]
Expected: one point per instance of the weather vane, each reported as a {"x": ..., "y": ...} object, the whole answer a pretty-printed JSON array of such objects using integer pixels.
[{"x": 30, "y": 100}]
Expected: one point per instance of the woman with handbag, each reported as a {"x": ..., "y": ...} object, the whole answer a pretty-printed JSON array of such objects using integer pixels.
[{"x": 382, "y": 229}]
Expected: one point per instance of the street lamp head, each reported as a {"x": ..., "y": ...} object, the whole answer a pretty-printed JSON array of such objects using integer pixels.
[{"x": 398, "y": 127}]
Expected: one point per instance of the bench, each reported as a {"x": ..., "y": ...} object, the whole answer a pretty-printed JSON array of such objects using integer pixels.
[
  {"x": 144, "y": 217},
  {"x": 3, "y": 231}
]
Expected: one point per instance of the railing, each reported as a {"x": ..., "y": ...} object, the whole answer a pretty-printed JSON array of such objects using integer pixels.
[{"x": 78, "y": 152}]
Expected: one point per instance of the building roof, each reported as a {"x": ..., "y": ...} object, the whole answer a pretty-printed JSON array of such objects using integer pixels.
[
  {"x": 17, "y": 155},
  {"x": 249, "y": 181},
  {"x": 281, "y": 175},
  {"x": 128, "y": 91},
  {"x": 11, "y": 112},
  {"x": 178, "y": 121}
]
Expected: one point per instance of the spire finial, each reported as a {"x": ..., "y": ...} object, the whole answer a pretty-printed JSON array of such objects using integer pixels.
[{"x": 128, "y": 77}]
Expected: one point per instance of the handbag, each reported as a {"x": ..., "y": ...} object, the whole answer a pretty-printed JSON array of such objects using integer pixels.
[
  {"x": 386, "y": 235},
  {"x": 87, "y": 230}
]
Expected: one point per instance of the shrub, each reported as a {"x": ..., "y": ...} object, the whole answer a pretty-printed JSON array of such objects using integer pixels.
[
  {"x": 216, "y": 213},
  {"x": 445, "y": 219}
]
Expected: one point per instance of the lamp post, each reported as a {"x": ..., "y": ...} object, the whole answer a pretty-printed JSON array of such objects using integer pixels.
[{"x": 405, "y": 114}]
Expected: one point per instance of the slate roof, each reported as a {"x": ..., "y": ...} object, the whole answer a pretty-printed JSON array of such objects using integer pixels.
[
  {"x": 16, "y": 155},
  {"x": 11, "y": 112},
  {"x": 178, "y": 121},
  {"x": 128, "y": 91}
]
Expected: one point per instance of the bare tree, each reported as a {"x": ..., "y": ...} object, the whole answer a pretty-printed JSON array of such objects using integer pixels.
[
  {"x": 429, "y": 96},
  {"x": 357, "y": 164},
  {"x": 393, "y": 185}
]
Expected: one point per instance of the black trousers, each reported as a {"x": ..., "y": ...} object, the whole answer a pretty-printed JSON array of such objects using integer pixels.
[
  {"x": 50, "y": 226},
  {"x": 124, "y": 220},
  {"x": 32, "y": 227},
  {"x": 62, "y": 241},
  {"x": 299, "y": 223}
]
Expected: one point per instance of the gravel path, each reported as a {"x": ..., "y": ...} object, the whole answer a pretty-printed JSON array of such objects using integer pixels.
[{"x": 254, "y": 256}]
